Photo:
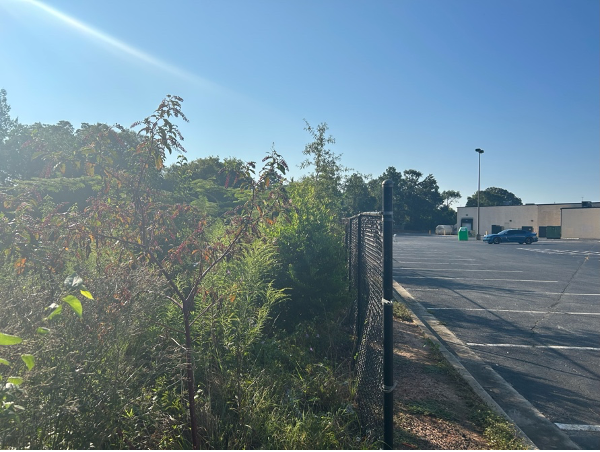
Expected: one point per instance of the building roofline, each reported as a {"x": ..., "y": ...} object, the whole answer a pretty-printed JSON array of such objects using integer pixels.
[{"x": 574, "y": 204}]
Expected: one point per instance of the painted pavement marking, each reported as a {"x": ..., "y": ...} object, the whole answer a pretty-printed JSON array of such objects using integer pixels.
[
  {"x": 564, "y": 294},
  {"x": 552, "y": 347},
  {"x": 514, "y": 310},
  {"x": 477, "y": 279},
  {"x": 578, "y": 427}
]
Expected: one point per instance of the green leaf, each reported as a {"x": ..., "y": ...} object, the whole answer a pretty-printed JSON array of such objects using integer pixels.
[
  {"x": 29, "y": 361},
  {"x": 5, "y": 362},
  {"x": 57, "y": 310},
  {"x": 42, "y": 330},
  {"x": 74, "y": 302},
  {"x": 86, "y": 294},
  {"x": 15, "y": 380},
  {"x": 73, "y": 281},
  {"x": 9, "y": 339}
]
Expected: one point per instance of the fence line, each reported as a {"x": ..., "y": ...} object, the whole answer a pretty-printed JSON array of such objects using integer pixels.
[{"x": 369, "y": 246}]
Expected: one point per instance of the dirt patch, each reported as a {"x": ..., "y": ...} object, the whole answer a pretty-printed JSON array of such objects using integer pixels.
[{"x": 433, "y": 409}]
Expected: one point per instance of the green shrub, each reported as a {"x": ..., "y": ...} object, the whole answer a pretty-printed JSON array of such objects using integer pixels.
[{"x": 313, "y": 258}]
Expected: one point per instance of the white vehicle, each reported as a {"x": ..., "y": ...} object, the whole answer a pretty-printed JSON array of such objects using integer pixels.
[{"x": 445, "y": 229}]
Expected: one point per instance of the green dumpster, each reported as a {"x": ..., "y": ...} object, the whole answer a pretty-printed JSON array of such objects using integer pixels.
[
  {"x": 463, "y": 234},
  {"x": 553, "y": 232}
]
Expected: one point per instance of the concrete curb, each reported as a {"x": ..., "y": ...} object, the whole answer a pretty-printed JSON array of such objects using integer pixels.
[{"x": 521, "y": 413}]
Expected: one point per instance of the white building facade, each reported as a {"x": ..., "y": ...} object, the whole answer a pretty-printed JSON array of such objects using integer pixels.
[{"x": 576, "y": 220}]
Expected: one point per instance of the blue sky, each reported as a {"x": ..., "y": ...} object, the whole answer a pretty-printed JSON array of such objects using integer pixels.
[{"x": 414, "y": 84}]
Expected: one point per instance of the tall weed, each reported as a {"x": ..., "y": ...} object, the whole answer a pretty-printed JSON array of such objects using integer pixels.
[{"x": 310, "y": 244}]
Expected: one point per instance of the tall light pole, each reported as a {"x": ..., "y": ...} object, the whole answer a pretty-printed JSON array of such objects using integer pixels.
[{"x": 479, "y": 151}]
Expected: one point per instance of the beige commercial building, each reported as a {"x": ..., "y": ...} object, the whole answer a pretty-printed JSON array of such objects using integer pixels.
[{"x": 576, "y": 220}]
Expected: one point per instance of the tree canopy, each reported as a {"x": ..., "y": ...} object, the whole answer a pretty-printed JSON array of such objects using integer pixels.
[
  {"x": 6, "y": 122},
  {"x": 42, "y": 152},
  {"x": 494, "y": 196}
]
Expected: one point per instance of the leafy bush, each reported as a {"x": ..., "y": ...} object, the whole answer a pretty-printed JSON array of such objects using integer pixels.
[{"x": 311, "y": 248}]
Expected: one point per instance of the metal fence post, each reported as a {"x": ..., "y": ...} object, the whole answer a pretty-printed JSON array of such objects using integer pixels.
[{"x": 388, "y": 324}]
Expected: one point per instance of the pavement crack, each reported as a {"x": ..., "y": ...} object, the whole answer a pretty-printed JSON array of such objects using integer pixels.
[{"x": 553, "y": 305}]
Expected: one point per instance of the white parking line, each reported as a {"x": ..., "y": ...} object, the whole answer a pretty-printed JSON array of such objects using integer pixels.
[
  {"x": 578, "y": 427},
  {"x": 513, "y": 310},
  {"x": 460, "y": 270},
  {"x": 564, "y": 294},
  {"x": 573, "y": 252},
  {"x": 553, "y": 347},
  {"x": 477, "y": 279},
  {"x": 435, "y": 257},
  {"x": 437, "y": 263}
]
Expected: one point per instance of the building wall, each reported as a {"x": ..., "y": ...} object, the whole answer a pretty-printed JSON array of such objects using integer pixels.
[
  {"x": 508, "y": 217},
  {"x": 549, "y": 214},
  {"x": 581, "y": 223},
  {"x": 465, "y": 212}
]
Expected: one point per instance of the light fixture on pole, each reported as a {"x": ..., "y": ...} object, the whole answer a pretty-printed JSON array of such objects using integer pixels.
[{"x": 479, "y": 151}]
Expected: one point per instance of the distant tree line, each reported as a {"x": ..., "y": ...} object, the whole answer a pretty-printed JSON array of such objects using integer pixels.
[{"x": 75, "y": 156}]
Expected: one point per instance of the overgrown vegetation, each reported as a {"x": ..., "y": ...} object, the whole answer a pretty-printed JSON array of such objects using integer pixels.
[
  {"x": 196, "y": 306},
  {"x": 401, "y": 312},
  {"x": 201, "y": 305}
]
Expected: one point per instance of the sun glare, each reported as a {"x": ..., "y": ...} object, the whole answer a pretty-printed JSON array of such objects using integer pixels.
[{"x": 113, "y": 42}]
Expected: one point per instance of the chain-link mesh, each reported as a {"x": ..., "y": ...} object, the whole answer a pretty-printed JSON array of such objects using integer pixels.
[{"x": 365, "y": 270}]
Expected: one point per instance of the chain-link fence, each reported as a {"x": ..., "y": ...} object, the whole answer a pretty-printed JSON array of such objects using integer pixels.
[
  {"x": 369, "y": 244},
  {"x": 364, "y": 239}
]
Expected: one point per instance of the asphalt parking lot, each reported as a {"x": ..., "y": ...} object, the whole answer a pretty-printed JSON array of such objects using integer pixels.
[{"x": 528, "y": 312}]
